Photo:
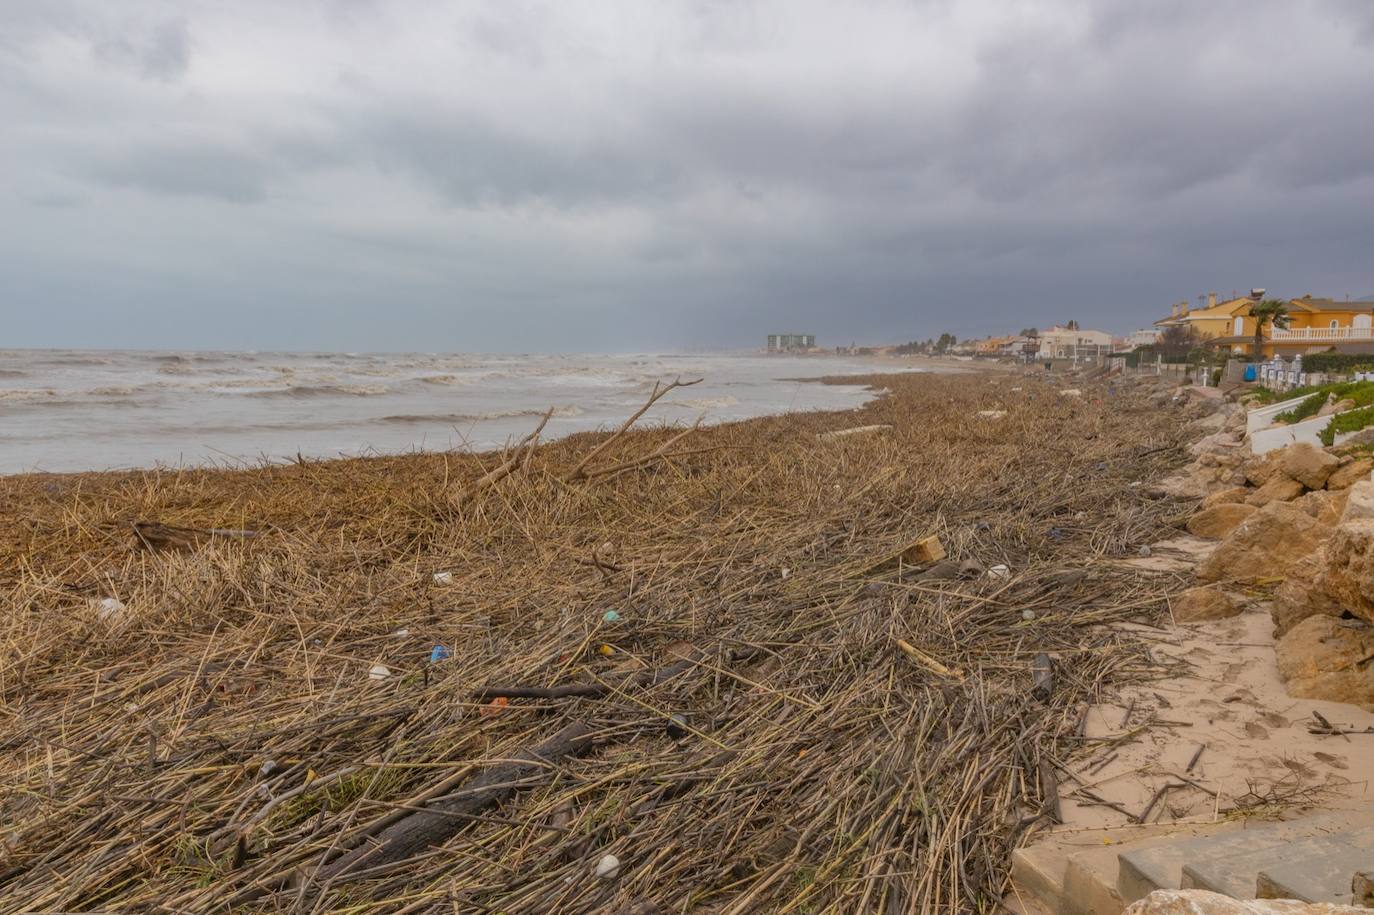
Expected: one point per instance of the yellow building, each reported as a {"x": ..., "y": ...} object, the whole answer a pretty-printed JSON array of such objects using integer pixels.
[{"x": 1314, "y": 325}]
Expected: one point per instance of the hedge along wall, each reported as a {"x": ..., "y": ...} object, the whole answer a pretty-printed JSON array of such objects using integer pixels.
[{"x": 1338, "y": 363}]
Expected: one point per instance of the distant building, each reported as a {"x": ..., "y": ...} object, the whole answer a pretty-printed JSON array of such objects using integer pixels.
[
  {"x": 790, "y": 343},
  {"x": 1072, "y": 343},
  {"x": 1138, "y": 338}
]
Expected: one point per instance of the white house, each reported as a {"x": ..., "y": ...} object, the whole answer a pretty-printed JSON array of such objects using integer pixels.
[{"x": 1072, "y": 343}]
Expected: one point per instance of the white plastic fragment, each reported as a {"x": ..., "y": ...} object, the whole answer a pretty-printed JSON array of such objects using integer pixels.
[
  {"x": 443, "y": 578},
  {"x": 1071, "y": 392},
  {"x": 112, "y": 612},
  {"x": 786, "y": 572},
  {"x": 999, "y": 571},
  {"x": 992, "y": 414},
  {"x": 379, "y": 672},
  {"x": 1028, "y": 615},
  {"x": 608, "y": 867}
]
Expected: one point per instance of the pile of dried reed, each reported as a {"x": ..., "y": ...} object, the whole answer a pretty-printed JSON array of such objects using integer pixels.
[{"x": 854, "y": 735}]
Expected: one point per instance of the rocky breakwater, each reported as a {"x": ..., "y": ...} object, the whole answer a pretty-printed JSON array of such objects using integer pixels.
[{"x": 1297, "y": 523}]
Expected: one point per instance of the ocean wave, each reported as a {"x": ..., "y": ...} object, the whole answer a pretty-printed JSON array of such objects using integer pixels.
[
  {"x": 706, "y": 403},
  {"x": 13, "y": 373},
  {"x": 569, "y": 410},
  {"x": 323, "y": 390},
  {"x": 24, "y": 395},
  {"x": 76, "y": 360},
  {"x": 445, "y": 379}
]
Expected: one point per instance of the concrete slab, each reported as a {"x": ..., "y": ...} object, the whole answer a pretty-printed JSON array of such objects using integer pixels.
[
  {"x": 1232, "y": 867},
  {"x": 1325, "y": 878},
  {"x": 1162, "y": 866},
  {"x": 1038, "y": 871}
]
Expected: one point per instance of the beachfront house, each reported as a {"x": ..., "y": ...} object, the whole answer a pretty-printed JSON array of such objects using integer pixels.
[
  {"x": 791, "y": 343},
  {"x": 1314, "y": 325},
  {"x": 1073, "y": 343}
]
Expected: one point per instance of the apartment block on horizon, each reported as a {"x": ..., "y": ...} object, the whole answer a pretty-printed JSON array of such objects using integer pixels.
[{"x": 791, "y": 343}]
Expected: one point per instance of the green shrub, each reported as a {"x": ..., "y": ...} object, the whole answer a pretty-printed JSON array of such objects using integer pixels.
[
  {"x": 1353, "y": 421},
  {"x": 1361, "y": 392},
  {"x": 1308, "y": 407}
]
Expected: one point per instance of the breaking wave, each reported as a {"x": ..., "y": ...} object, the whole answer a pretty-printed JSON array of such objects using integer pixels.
[
  {"x": 569, "y": 410},
  {"x": 323, "y": 390}
]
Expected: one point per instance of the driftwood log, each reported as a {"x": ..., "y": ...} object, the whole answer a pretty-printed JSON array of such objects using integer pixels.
[
  {"x": 442, "y": 819},
  {"x": 153, "y": 535}
]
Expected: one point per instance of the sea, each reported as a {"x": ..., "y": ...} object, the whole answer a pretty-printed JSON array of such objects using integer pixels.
[{"x": 75, "y": 410}]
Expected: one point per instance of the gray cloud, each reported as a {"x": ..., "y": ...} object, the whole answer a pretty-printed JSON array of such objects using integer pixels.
[
  {"x": 163, "y": 53},
  {"x": 533, "y": 174}
]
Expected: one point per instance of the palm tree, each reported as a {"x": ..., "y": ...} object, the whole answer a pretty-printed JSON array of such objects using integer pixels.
[{"x": 1272, "y": 311}]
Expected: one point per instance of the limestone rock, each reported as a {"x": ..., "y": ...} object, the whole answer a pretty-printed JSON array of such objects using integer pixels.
[
  {"x": 1348, "y": 475},
  {"x": 1325, "y": 658},
  {"x": 1301, "y": 595},
  {"x": 1278, "y": 489},
  {"x": 1217, "y": 441},
  {"x": 1188, "y": 483},
  {"x": 1216, "y": 522},
  {"x": 1259, "y": 469},
  {"x": 1202, "y": 902},
  {"x": 1349, "y": 574},
  {"x": 1265, "y": 545},
  {"x": 1324, "y": 505},
  {"x": 1359, "y": 502},
  {"x": 1197, "y": 605},
  {"x": 1226, "y": 496},
  {"x": 1307, "y": 464}
]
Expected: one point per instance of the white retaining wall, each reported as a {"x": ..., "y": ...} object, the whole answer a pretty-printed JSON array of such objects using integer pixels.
[{"x": 1263, "y": 417}]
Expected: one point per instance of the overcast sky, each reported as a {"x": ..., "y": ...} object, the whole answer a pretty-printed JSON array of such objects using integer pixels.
[{"x": 623, "y": 174}]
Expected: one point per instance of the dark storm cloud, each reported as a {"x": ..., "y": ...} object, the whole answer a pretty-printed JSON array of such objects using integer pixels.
[{"x": 522, "y": 174}]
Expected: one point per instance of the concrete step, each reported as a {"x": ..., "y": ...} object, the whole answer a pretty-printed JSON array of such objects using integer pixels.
[
  {"x": 1214, "y": 862},
  {"x": 1074, "y": 872},
  {"x": 1325, "y": 878},
  {"x": 1233, "y": 867}
]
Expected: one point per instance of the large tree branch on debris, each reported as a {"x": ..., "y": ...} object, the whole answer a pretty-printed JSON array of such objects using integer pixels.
[
  {"x": 660, "y": 390},
  {"x": 522, "y": 450}
]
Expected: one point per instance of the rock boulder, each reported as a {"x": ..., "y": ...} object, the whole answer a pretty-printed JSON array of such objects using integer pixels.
[
  {"x": 1359, "y": 502},
  {"x": 1265, "y": 545},
  {"x": 1349, "y": 574},
  {"x": 1300, "y": 595},
  {"x": 1279, "y": 489},
  {"x": 1307, "y": 464},
  {"x": 1216, "y": 522},
  {"x": 1328, "y": 659},
  {"x": 1226, "y": 496},
  {"x": 1198, "y": 605},
  {"x": 1348, "y": 475},
  {"x": 1324, "y": 505}
]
